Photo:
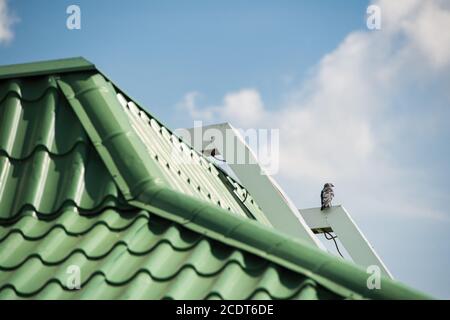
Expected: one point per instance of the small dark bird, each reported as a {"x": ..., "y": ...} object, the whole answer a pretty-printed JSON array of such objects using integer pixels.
[{"x": 327, "y": 195}]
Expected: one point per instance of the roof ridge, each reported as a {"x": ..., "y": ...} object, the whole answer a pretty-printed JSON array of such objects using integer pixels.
[{"x": 45, "y": 67}]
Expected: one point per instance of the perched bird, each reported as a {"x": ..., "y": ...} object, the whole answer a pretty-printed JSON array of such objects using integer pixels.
[{"x": 327, "y": 195}]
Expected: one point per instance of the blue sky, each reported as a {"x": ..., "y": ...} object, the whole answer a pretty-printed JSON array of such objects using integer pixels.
[
  {"x": 159, "y": 50},
  {"x": 367, "y": 110}
]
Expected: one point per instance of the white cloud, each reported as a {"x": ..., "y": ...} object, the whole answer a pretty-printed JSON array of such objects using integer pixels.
[
  {"x": 189, "y": 104},
  {"x": 358, "y": 106},
  {"x": 431, "y": 35},
  {"x": 7, "y": 20},
  {"x": 244, "y": 107}
]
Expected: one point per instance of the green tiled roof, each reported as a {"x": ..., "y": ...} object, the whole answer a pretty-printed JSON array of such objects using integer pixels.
[
  {"x": 141, "y": 256},
  {"x": 89, "y": 178}
]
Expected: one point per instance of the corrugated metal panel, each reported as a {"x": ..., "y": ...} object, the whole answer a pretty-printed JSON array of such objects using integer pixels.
[
  {"x": 245, "y": 197},
  {"x": 186, "y": 170}
]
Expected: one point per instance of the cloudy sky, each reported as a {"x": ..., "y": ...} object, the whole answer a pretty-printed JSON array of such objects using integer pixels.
[{"x": 366, "y": 110}]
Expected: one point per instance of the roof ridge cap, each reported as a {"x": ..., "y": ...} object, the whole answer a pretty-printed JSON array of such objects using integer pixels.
[
  {"x": 268, "y": 243},
  {"x": 45, "y": 67}
]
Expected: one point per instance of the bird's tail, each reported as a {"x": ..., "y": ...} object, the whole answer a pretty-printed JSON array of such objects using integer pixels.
[{"x": 321, "y": 208}]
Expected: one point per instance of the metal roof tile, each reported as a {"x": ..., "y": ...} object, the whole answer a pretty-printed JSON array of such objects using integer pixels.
[
  {"x": 147, "y": 244},
  {"x": 47, "y": 182}
]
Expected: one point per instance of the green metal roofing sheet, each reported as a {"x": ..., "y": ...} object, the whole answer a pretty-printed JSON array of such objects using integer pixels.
[
  {"x": 88, "y": 178},
  {"x": 140, "y": 256}
]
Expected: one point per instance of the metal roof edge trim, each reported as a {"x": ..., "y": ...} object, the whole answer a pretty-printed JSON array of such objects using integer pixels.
[
  {"x": 45, "y": 67},
  {"x": 269, "y": 244},
  {"x": 113, "y": 137}
]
